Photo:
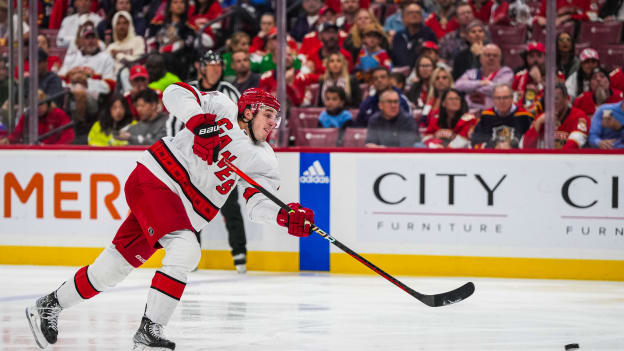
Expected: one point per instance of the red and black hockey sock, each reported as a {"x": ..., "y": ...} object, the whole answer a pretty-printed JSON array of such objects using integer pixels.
[
  {"x": 163, "y": 296},
  {"x": 76, "y": 290},
  {"x": 84, "y": 287},
  {"x": 168, "y": 285}
]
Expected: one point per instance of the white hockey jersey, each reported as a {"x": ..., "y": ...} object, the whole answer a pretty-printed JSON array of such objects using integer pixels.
[{"x": 204, "y": 188}]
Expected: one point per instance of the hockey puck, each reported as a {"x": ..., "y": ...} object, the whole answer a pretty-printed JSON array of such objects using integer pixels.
[{"x": 570, "y": 347}]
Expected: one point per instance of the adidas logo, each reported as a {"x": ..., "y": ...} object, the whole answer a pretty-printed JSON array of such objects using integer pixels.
[{"x": 314, "y": 174}]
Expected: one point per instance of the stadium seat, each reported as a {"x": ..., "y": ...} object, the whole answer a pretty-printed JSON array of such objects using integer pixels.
[
  {"x": 511, "y": 55},
  {"x": 60, "y": 52},
  {"x": 611, "y": 55},
  {"x": 304, "y": 117},
  {"x": 578, "y": 47},
  {"x": 600, "y": 32},
  {"x": 355, "y": 137},
  {"x": 539, "y": 33},
  {"x": 504, "y": 35},
  {"x": 405, "y": 70},
  {"x": 316, "y": 137},
  {"x": 312, "y": 95},
  {"x": 51, "y": 34}
]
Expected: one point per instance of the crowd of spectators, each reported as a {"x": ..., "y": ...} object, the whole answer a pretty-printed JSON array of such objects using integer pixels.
[{"x": 408, "y": 73}]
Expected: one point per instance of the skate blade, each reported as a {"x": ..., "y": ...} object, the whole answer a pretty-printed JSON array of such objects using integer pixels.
[
  {"x": 35, "y": 327},
  {"x": 141, "y": 347}
]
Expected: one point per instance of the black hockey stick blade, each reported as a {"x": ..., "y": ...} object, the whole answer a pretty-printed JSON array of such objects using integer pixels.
[
  {"x": 436, "y": 300},
  {"x": 449, "y": 297}
]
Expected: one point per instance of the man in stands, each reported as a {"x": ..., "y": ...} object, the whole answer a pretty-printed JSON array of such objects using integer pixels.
[
  {"x": 138, "y": 82},
  {"x": 454, "y": 42},
  {"x": 390, "y": 126},
  {"x": 600, "y": 93},
  {"x": 245, "y": 78},
  {"x": 381, "y": 81},
  {"x": 478, "y": 83},
  {"x": 89, "y": 75},
  {"x": 406, "y": 43},
  {"x": 349, "y": 10},
  {"x": 528, "y": 83},
  {"x": 572, "y": 124},
  {"x": 502, "y": 126},
  {"x": 70, "y": 24},
  {"x": 330, "y": 40}
]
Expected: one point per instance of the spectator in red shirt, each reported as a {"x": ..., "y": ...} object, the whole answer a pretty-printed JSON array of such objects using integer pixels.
[
  {"x": 482, "y": 9},
  {"x": 50, "y": 118},
  {"x": 267, "y": 22},
  {"x": 571, "y": 123},
  {"x": 569, "y": 10},
  {"x": 444, "y": 20},
  {"x": 295, "y": 83},
  {"x": 329, "y": 38},
  {"x": 600, "y": 92},
  {"x": 54, "y": 62},
  {"x": 139, "y": 79},
  {"x": 349, "y": 10},
  {"x": 452, "y": 125}
]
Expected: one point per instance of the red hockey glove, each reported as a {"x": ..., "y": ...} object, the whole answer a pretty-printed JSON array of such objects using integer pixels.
[
  {"x": 207, "y": 142},
  {"x": 299, "y": 220}
]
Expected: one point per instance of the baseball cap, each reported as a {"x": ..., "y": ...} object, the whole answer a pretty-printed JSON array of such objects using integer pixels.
[
  {"x": 86, "y": 30},
  {"x": 325, "y": 9},
  {"x": 326, "y": 26},
  {"x": 536, "y": 46},
  {"x": 138, "y": 71},
  {"x": 430, "y": 45},
  {"x": 589, "y": 54}
]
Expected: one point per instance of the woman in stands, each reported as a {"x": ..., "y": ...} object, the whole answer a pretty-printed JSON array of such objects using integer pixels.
[
  {"x": 452, "y": 125},
  {"x": 567, "y": 62},
  {"x": 110, "y": 122},
  {"x": 441, "y": 79},
  {"x": 172, "y": 36},
  {"x": 578, "y": 82},
  {"x": 337, "y": 74},
  {"x": 419, "y": 78},
  {"x": 363, "y": 19}
]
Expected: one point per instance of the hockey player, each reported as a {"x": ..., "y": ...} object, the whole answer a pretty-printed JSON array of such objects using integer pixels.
[{"x": 177, "y": 187}]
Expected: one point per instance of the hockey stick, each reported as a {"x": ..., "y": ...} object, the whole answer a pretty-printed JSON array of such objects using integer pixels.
[{"x": 436, "y": 300}]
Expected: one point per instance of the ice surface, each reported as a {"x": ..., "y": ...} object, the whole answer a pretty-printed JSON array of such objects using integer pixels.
[{"x": 221, "y": 310}]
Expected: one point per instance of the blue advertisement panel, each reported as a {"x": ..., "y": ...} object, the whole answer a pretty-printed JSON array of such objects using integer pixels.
[{"x": 314, "y": 183}]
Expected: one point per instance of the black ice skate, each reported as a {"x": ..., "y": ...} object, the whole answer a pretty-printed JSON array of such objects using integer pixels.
[
  {"x": 150, "y": 337},
  {"x": 43, "y": 319}
]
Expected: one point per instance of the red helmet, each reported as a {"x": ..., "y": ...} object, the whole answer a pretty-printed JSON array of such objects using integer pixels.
[{"x": 255, "y": 98}]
